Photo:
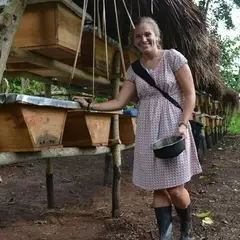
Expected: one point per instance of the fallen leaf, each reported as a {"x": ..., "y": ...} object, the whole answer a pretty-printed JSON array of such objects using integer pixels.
[
  {"x": 207, "y": 221},
  {"x": 204, "y": 214}
]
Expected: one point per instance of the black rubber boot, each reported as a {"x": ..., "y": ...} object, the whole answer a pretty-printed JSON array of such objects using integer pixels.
[
  {"x": 164, "y": 220},
  {"x": 185, "y": 222}
]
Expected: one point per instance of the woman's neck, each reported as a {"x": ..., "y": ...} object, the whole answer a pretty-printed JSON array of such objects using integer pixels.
[{"x": 152, "y": 55}]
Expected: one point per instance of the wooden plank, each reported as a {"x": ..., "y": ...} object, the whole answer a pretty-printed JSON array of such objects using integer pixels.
[
  {"x": 11, "y": 158},
  {"x": 100, "y": 56},
  {"x": 67, "y": 36},
  {"x": 68, "y": 3},
  {"x": 84, "y": 129},
  {"x": 30, "y": 128},
  {"x": 99, "y": 128},
  {"x": 14, "y": 133},
  {"x": 45, "y": 124},
  {"x": 127, "y": 129},
  {"x": 41, "y": 31},
  {"x": 53, "y": 65}
]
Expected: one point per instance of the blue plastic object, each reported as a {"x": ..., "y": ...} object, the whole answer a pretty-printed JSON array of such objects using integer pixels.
[{"x": 131, "y": 112}]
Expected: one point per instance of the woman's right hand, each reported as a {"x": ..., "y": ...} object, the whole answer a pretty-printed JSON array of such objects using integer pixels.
[{"x": 83, "y": 103}]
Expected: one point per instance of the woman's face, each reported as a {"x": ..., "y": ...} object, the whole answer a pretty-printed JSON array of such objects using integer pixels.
[{"x": 144, "y": 38}]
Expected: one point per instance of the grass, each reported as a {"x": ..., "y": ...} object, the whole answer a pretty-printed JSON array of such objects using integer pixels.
[{"x": 234, "y": 126}]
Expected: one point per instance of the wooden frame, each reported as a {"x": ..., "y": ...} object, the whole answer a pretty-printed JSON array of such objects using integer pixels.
[
  {"x": 30, "y": 128},
  {"x": 127, "y": 129},
  {"x": 86, "y": 129}
]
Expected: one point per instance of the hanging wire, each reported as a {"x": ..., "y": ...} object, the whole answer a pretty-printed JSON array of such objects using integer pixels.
[
  {"x": 152, "y": 6},
  {"x": 99, "y": 21},
  {"x": 105, "y": 37},
  {"x": 80, "y": 40},
  {"x": 129, "y": 16},
  {"x": 94, "y": 49},
  {"x": 119, "y": 40},
  {"x": 139, "y": 13}
]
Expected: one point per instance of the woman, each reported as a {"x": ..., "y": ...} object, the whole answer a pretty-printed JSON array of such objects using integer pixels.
[{"x": 158, "y": 118}]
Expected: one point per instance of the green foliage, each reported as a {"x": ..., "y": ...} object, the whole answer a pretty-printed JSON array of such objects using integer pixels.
[
  {"x": 230, "y": 62},
  {"x": 29, "y": 88},
  {"x": 234, "y": 126},
  {"x": 218, "y": 10}
]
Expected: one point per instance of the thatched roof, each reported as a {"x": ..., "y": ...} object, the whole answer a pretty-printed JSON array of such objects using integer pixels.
[{"x": 183, "y": 27}]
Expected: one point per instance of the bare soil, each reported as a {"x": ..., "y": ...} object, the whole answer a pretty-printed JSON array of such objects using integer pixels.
[{"x": 83, "y": 203}]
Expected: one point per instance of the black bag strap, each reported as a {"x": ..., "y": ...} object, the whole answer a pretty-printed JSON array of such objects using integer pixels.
[{"x": 143, "y": 73}]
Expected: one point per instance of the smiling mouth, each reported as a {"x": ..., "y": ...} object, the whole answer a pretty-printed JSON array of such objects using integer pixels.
[{"x": 145, "y": 46}]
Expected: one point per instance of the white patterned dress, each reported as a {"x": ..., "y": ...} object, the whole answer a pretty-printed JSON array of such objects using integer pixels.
[{"x": 158, "y": 118}]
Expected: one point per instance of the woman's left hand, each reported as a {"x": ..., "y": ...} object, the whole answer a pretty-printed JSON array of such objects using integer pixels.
[{"x": 182, "y": 130}]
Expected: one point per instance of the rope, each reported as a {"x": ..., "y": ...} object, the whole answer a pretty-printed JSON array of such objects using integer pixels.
[
  {"x": 80, "y": 39},
  {"x": 99, "y": 21},
  {"x": 94, "y": 48},
  {"x": 139, "y": 13},
  {"x": 119, "y": 39},
  {"x": 105, "y": 38},
  {"x": 129, "y": 16}
]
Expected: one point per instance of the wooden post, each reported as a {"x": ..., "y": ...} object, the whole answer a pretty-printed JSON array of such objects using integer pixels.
[
  {"x": 116, "y": 151},
  {"x": 9, "y": 18},
  {"x": 37, "y": 59},
  {"x": 49, "y": 165},
  {"x": 107, "y": 170}
]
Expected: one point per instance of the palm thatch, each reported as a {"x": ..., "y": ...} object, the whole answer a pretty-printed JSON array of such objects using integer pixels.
[
  {"x": 231, "y": 98},
  {"x": 183, "y": 27}
]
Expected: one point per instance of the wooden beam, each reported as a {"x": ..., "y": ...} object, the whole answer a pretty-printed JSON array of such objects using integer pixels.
[
  {"x": 8, "y": 158},
  {"x": 116, "y": 151},
  {"x": 42, "y": 61},
  {"x": 35, "y": 77},
  {"x": 15, "y": 9}
]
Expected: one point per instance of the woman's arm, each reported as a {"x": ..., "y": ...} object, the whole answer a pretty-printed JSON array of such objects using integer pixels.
[
  {"x": 185, "y": 80},
  {"x": 126, "y": 94}
]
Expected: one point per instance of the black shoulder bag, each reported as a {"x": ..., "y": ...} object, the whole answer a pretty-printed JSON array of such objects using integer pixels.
[{"x": 143, "y": 73}]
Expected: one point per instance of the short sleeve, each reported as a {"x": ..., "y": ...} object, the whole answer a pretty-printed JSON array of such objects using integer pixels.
[
  {"x": 177, "y": 60},
  {"x": 130, "y": 74}
]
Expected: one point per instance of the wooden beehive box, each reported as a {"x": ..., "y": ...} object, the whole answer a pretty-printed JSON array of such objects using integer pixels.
[
  {"x": 49, "y": 28},
  {"x": 129, "y": 57},
  {"x": 127, "y": 128},
  {"x": 30, "y": 128},
  {"x": 86, "y": 129},
  {"x": 86, "y": 59}
]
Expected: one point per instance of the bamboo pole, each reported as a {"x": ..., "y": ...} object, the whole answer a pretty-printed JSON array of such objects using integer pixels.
[
  {"x": 8, "y": 158},
  {"x": 25, "y": 56},
  {"x": 49, "y": 164},
  {"x": 116, "y": 151},
  {"x": 14, "y": 10}
]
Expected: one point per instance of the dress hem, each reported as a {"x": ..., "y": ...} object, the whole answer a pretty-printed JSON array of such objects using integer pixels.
[{"x": 170, "y": 186}]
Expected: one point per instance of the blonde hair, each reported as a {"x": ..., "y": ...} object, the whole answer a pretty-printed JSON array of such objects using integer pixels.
[{"x": 153, "y": 23}]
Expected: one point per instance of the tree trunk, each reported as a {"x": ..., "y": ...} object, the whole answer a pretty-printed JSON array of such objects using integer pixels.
[{"x": 13, "y": 10}]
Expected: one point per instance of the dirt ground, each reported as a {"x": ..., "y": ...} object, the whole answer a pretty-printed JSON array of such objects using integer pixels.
[{"x": 83, "y": 203}]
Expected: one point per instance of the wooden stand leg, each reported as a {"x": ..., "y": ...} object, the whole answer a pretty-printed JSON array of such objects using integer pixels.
[
  {"x": 108, "y": 173},
  {"x": 208, "y": 138},
  {"x": 116, "y": 151},
  {"x": 49, "y": 183},
  {"x": 116, "y": 181},
  {"x": 49, "y": 172}
]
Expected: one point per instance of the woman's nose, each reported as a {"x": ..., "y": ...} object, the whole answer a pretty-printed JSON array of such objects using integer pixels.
[{"x": 144, "y": 39}]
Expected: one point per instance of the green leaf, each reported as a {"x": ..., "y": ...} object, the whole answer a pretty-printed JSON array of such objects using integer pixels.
[
  {"x": 204, "y": 214},
  {"x": 207, "y": 221}
]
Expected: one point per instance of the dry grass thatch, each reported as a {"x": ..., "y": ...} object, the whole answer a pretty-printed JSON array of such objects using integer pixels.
[
  {"x": 183, "y": 27},
  {"x": 231, "y": 97}
]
